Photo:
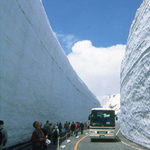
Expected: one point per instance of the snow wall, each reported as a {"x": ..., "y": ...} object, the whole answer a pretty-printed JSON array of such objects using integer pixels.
[
  {"x": 37, "y": 81},
  {"x": 135, "y": 80}
]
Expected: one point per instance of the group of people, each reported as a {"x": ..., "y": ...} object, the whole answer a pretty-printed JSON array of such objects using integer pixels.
[
  {"x": 41, "y": 134},
  {"x": 74, "y": 128},
  {"x": 52, "y": 133}
]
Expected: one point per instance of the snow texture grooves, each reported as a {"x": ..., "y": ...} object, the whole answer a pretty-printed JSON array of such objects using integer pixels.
[{"x": 135, "y": 80}]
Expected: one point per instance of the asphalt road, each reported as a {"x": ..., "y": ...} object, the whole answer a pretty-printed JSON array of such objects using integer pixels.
[{"x": 84, "y": 143}]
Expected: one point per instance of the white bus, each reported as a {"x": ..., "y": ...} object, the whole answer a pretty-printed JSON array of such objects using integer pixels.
[{"x": 102, "y": 123}]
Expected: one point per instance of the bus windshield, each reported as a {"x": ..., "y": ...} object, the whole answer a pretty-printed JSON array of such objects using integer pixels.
[{"x": 102, "y": 118}]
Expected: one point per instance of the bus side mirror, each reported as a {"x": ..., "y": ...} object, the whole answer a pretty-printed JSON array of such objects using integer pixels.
[
  {"x": 116, "y": 117},
  {"x": 89, "y": 117}
]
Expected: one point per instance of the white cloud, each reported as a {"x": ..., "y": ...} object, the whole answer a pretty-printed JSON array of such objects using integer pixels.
[
  {"x": 67, "y": 41},
  {"x": 98, "y": 67}
]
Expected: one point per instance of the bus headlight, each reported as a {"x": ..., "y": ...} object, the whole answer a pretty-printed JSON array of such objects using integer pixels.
[
  {"x": 92, "y": 132},
  {"x": 110, "y": 132}
]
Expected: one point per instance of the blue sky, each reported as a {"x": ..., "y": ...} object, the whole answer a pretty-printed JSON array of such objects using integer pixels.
[
  {"x": 93, "y": 34},
  {"x": 104, "y": 22}
]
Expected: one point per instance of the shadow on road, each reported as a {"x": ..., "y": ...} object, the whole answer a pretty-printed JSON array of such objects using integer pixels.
[{"x": 106, "y": 140}]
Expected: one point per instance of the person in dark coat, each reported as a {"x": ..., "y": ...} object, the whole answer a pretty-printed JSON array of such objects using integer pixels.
[
  {"x": 81, "y": 127},
  {"x": 55, "y": 135},
  {"x": 60, "y": 127},
  {"x": 38, "y": 137},
  {"x": 72, "y": 128},
  {"x": 4, "y": 135}
]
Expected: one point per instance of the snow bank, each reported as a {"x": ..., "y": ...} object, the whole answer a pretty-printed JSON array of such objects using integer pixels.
[
  {"x": 135, "y": 80},
  {"x": 111, "y": 101},
  {"x": 37, "y": 81}
]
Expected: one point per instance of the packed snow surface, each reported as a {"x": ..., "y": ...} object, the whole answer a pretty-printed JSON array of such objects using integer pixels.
[
  {"x": 135, "y": 80},
  {"x": 111, "y": 101},
  {"x": 37, "y": 81}
]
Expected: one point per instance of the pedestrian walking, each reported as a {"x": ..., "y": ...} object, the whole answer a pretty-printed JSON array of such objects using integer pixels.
[
  {"x": 3, "y": 135},
  {"x": 55, "y": 135},
  {"x": 69, "y": 125},
  {"x": 81, "y": 127},
  {"x": 76, "y": 129},
  {"x": 60, "y": 127},
  {"x": 46, "y": 129},
  {"x": 72, "y": 128},
  {"x": 88, "y": 125},
  {"x": 66, "y": 126},
  {"x": 50, "y": 131},
  {"x": 38, "y": 138}
]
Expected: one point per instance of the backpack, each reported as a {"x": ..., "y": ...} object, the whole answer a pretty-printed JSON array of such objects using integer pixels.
[
  {"x": 66, "y": 125},
  {"x": 1, "y": 136}
]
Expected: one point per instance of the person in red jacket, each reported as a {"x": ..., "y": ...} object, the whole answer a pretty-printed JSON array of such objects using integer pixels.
[
  {"x": 76, "y": 129},
  {"x": 38, "y": 137}
]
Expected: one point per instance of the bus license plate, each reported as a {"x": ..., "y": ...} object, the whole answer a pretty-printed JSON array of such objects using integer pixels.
[
  {"x": 102, "y": 136},
  {"x": 102, "y": 132}
]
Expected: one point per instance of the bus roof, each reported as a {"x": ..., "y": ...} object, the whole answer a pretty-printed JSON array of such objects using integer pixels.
[{"x": 102, "y": 109}]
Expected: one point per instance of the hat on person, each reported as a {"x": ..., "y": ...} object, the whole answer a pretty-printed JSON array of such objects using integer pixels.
[{"x": 34, "y": 124}]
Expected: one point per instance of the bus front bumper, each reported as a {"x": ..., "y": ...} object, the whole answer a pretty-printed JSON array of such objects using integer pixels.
[{"x": 102, "y": 136}]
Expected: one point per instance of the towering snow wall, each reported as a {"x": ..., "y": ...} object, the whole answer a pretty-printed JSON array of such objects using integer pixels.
[
  {"x": 135, "y": 80},
  {"x": 37, "y": 81}
]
